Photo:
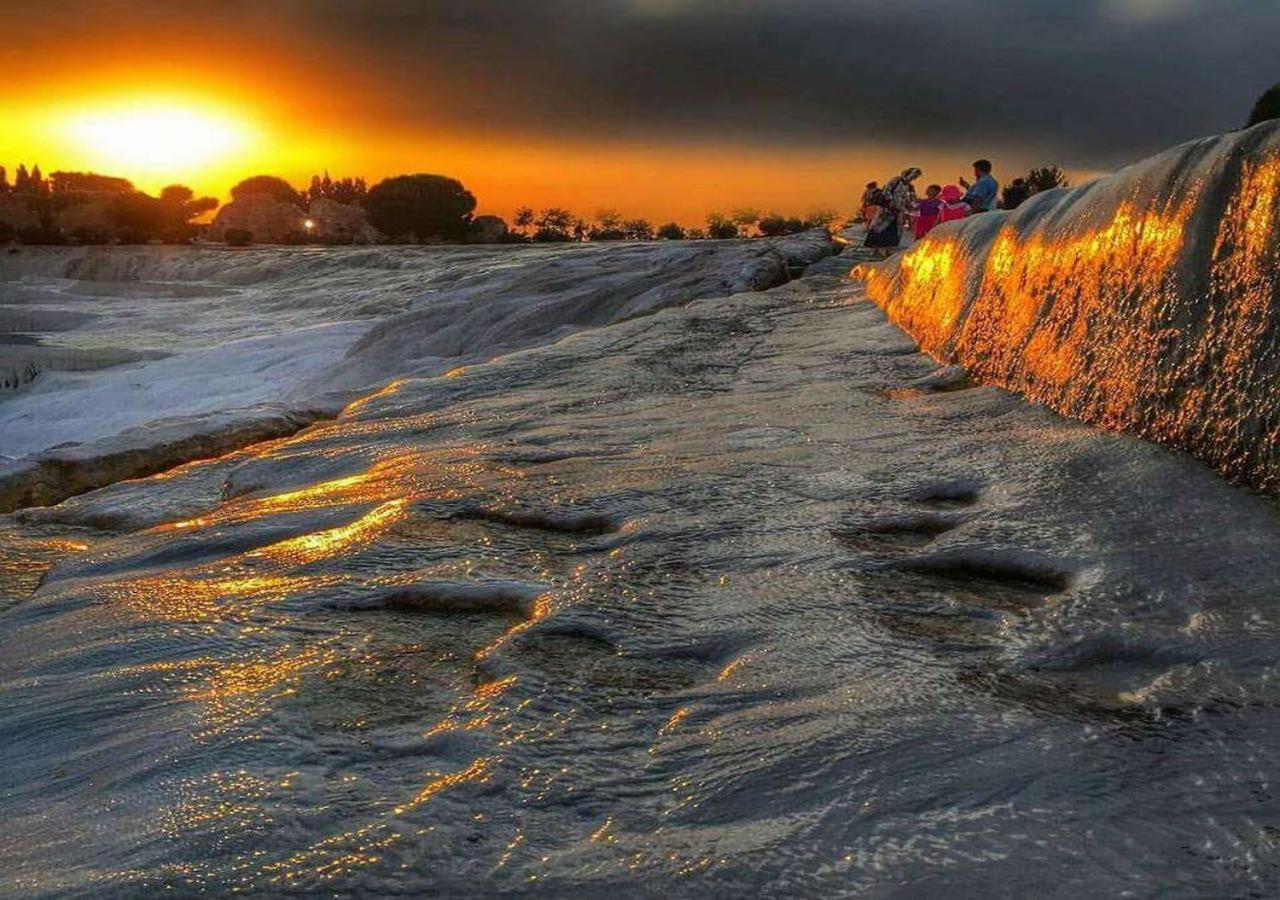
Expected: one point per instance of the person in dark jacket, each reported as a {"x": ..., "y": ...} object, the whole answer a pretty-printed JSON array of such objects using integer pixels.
[{"x": 1015, "y": 194}]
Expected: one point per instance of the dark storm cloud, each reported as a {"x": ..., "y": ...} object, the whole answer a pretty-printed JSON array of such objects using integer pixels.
[{"x": 1096, "y": 81}]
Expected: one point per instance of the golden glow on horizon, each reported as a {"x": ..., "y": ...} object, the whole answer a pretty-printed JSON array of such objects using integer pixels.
[
  {"x": 152, "y": 139},
  {"x": 173, "y": 135},
  {"x": 210, "y": 136}
]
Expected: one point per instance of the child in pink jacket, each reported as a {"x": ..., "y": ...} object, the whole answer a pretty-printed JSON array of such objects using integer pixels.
[{"x": 953, "y": 205}]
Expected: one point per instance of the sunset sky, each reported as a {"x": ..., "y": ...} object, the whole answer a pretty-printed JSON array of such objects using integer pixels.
[{"x": 661, "y": 108}]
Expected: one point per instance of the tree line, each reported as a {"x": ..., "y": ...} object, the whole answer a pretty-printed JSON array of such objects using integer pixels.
[
  {"x": 558, "y": 225},
  {"x": 86, "y": 207},
  {"x": 435, "y": 207}
]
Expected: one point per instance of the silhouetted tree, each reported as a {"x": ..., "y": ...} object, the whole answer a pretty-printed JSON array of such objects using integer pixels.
[
  {"x": 4, "y": 181},
  {"x": 720, "y": 227},
  {"x": 1015, "y": 194},
  {"x": 774, "y": 225},
  {"x": 695, "y": 234},
  {"x": 745, "y": 219},
  {"x": 1266, "y": 108},
  {"x": 671, "y": 232},
  {"x": 553, "y": 224},
  {"x": 350, "y": 191},
  {"x": 1046, "y": 178},
  {"x": 61, "y": 183},
  {"x": 599, "y": 233},
  {"x": 22, "y": 180},
  {"x": 276, "y": 188},
  {"x": 637, "y": 230},
  {"x": 607, "y": 227},
  {"x": 137, "y": 218},
  {"x": 180, "y": 206},
  {"x": 823, "y": 218},
  {"x": 522, "y": 221},
  {"x": 428, "y": 207}
]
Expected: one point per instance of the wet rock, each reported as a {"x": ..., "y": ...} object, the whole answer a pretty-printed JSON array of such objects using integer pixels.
[{"x": 1146, "y": 301}]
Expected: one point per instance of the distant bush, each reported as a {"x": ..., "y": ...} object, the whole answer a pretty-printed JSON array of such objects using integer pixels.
[
  {"x": 137, "y": 218},
  {"x": 428, "y": 207},
  {"x": 276, "y": 188},
  {"x": 556, "y": 225},
  {"x": 745, "y": 219},
  {"x": 90, "y": 182},
  {"x": 1046, "y": 178},
  {"x": 823, "y": 218},
  {"x": 671, "y": 232},
  {"x": 550, "y": 236},
  {"x": 637, "y": 230},
  {"x": 1266, "y": 108},
  {"x": 721, "y": 227},
  {"x": 349, "y": 191},
  {"x": 774, "y": 225},
  {"x": 238, "y": 237}
]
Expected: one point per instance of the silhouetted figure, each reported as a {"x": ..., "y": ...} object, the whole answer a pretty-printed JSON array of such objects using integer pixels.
[
  {"x": 1266, "y": 108},
  {"x": 867, "y": 208},
  {"x": 1015, "y": 194},
  {"x": 882, "y": 228}
]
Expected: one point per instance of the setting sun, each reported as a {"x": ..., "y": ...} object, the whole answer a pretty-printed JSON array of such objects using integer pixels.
[{"x": 158, "y": 135}]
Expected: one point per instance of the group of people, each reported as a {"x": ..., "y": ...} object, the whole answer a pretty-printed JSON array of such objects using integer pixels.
[{"x": 896, "y": 206}]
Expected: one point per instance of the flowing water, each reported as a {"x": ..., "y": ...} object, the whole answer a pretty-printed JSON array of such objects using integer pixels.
[{"x": 739, "y": 598}]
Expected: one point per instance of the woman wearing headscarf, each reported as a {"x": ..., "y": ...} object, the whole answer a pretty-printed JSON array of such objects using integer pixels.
[
  {"x": 902, "y": 191},
  {"x": 896, "y": 202},
  {"x": 882, "y": 227}
]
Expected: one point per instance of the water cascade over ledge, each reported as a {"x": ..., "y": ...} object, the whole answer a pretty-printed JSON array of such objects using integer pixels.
[{"x": 1145, "y": 301}]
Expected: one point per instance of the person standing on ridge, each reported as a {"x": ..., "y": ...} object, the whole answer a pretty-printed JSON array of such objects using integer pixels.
[
  {"x": 883, "y": 235},
  {"x": 902, "y": 191},
  {"x": 1015, "y": 194},
  {"x": 867, "y": 209},
  {"x": 981, "y": 195},
  {"x": 929, "y": 211},
  {"x": 953, "y": 205}
]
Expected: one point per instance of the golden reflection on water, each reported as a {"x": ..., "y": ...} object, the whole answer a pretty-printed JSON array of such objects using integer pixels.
[
  {"x": 1113, "y": 323},
  {"x": 26, "y": 559},
  {"x": 236, "y": 587},
  {"x": 206, "y": 596},
  {"x": 477, "y": 772},
  {"x": 478, "y": 711},
  {"x": 357, "y": 405},
  {"x": 319, "y": 545},
  {"x": 442, "y": 474},
  {"x": 237, "y": 692}
]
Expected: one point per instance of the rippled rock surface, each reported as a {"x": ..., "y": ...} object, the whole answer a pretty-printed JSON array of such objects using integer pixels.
[
  {"x": 1146, "y": 301},
  {"x": 741, "y": 598},
  {"x": 119, "y": 362}
]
